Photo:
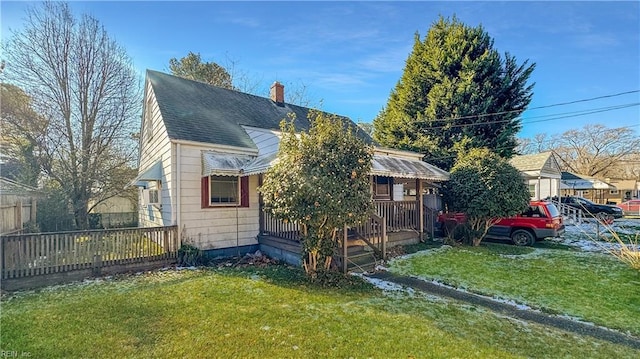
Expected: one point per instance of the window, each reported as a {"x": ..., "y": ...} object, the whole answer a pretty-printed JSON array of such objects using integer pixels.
[
  {"x": 382, "y": 187},
  {"x": 225, "y": 191},
  {"x": 534, "y": 211},
  {"x": 532, "y": 190},
  {"x": 151, "y": 196}
]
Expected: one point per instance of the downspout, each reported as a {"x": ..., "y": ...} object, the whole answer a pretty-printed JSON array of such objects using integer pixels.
[{"x": 178, "y": 193}]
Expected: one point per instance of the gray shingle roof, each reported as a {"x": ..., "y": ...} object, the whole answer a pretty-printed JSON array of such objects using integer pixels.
[
  {"x": 196, "y": 111},
  {"x": 531, "y": 162}
]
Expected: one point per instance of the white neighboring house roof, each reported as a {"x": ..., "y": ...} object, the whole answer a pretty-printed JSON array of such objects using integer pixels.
[
  {"x": 538, "y": 165},
  {"x": 582, "y": 182}
]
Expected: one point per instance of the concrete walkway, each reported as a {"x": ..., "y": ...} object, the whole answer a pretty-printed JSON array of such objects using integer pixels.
[{"x": 512, "y": 311}]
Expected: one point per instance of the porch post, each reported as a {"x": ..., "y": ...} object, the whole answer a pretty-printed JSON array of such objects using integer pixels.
[
  {"x": 344, "y": 249},
  {"x": 420, "y": 207}
]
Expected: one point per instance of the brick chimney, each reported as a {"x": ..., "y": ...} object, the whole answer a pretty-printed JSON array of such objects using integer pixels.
[{"x": 277, "y": 92}]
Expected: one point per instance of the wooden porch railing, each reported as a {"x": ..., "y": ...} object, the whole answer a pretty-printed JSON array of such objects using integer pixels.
[
  {"x": 278, "y": 228},
  {"x": 373, "y": 232},
  {"x": 399, "y": 215}
]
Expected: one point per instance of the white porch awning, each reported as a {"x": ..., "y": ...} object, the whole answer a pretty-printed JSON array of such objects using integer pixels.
[
  {"x": 261, "y": 164},
  {"x": 585, "y": 184},
  {"x": 391, "y": 166},
  {"x": 224, "y": 164},
  {"x": 153, "y": 173}
]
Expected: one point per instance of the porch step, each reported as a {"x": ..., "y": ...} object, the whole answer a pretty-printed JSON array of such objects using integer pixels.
[
  {"x": 361, "y": 260},
  {"x": 364, "y": 261}
]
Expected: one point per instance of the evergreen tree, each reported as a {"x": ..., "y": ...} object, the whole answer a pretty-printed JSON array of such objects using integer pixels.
[
  {"x": 455, "y": 86},
  {"x": 193, "y": 68}
]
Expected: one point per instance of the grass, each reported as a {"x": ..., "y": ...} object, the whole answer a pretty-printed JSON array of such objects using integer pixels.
[
  {"x": 266, "y": 313},
  {"x": 593, "y": 287}
]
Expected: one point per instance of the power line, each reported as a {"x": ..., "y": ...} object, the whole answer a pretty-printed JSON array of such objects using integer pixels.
[
  {"x": 557, "y": 116},
  {"x": 536, "y": 108},
  {"x": 585, "y": 100}
]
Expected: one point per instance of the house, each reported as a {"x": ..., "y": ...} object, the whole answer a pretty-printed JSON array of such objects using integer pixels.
[
  {"x": 204, "y": 151},
  {"x": 541, "y": 172},
  {"x": 589, "y": 187},
  {"x": 114, "y": 212},
  {"x": 625, "y": 189}
]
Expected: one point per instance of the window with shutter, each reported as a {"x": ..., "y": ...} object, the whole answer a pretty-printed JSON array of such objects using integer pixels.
[{"x": 225, "y": 191}]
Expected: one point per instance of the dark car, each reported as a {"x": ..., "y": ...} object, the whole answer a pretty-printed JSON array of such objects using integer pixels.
[{"x": 592, "y": 209}]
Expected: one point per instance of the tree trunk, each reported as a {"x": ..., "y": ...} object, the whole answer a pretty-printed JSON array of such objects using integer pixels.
[{"x": 80, "y": 213}]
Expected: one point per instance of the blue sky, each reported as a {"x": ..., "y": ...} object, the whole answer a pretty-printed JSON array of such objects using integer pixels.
[{"x": 350, "y": 55}]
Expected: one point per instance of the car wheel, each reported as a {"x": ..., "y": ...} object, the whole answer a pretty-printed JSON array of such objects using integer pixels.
[{"x": 522, "y": 237}]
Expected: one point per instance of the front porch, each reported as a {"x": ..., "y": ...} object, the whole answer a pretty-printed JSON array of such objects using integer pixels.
[{"x": 360, "y": 247}]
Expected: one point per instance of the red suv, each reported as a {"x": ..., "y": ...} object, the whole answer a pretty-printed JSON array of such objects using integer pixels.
[{"x": 539, "y": 221}]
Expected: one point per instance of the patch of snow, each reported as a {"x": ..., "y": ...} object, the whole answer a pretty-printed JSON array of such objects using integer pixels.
[
  {"x": 513, "y": 304},
  {"x": 383, "y": 284},
  {"x": 510, "y": 302},
  {"x": 186, "y": 268},
  {"x": 588, "y": 235}
]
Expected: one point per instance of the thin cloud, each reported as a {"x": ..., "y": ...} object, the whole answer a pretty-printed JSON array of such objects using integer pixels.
[{"x": 386, "y": 61}]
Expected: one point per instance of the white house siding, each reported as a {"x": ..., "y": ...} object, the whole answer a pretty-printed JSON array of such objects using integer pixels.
[
  {"x": 213, "y": 228},
  {"x": 545, "y": 187},
  {"x": 152, "y": 149}
]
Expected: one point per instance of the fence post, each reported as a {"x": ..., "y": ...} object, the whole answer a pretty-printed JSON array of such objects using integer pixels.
[
  {"x": 18, "y": 215},
  {"x": 96, "y": 243}
]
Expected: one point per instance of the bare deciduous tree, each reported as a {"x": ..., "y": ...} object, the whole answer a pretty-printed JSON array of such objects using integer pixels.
[
  {"x": 594, "y": 150},
  {"x": 539, "y": 143},
  {"x": 83, "y": 83}
]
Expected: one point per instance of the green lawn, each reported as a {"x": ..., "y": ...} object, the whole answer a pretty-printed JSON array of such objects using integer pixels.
[
  {"x": 267, "y": 313},
  {"x": 593, "y": 287}
]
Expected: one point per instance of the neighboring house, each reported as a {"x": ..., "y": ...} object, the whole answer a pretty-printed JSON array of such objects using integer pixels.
[
  {"x": 624, "y": 190},
  {"x": 118, "y": 211},
  {"x": 541, "y": 172},
  {"x": 18, "y": 204},
  {"x": 585, "y": 186},
  {"x": 204, "y": 151}
]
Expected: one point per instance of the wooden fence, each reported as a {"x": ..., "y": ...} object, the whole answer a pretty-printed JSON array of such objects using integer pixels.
[
  {"x": 14, "y": 216},
  {"x": 32, "y": 260}
]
